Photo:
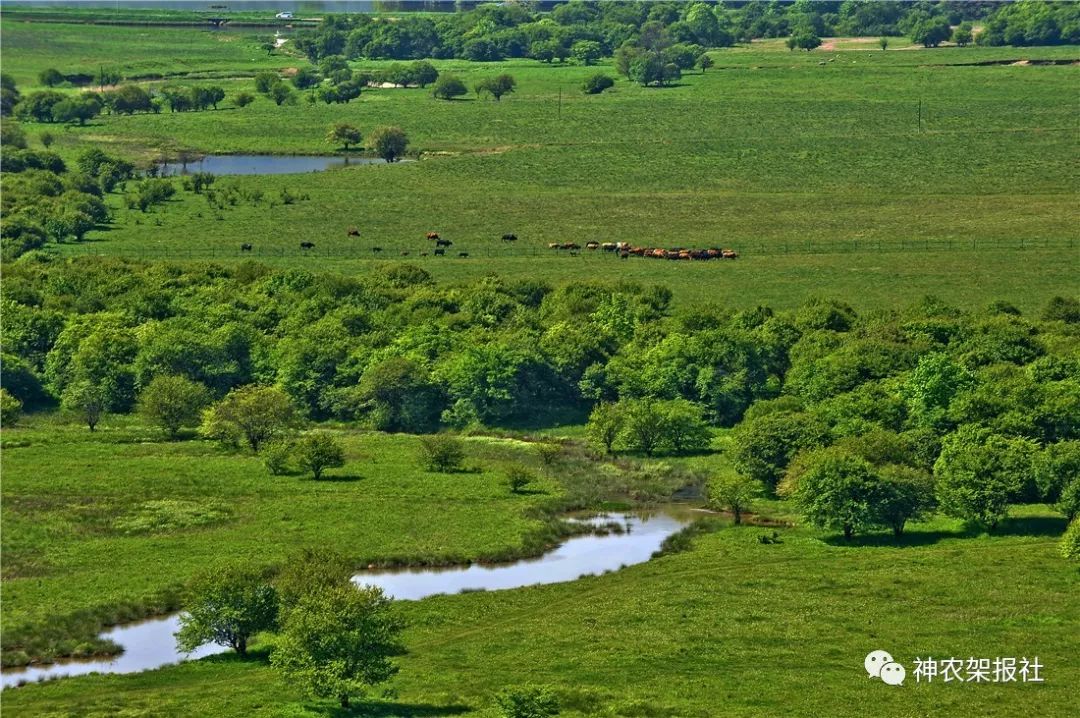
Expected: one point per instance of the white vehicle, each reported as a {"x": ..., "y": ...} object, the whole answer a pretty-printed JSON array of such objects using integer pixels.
[{"x": 284, "y": 16}]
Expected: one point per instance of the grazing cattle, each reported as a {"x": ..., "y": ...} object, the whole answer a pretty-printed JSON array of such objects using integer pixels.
[
  {"x": 307, "y": 245},
  {"x": 443, "y": 242},
  {"x": 440, "y": 252},
  {"x": 571, "y": 246},
  {"x": 405, "y": 253},
  {"x": 729, "y": 254},
  {"x": 353, "y": 232},
  {"x": 463, "y": 255},
  {"x": 423, "y": 254},
  {"x": 245, "y": 247},
  {"x": 509, "y": 238},
  {"x": 554, "y": 245},
  {"x": 624, "y": 255},
  {"x": 592, "y": 245},
  {"x": 376, "y": 250},
  {"x": 432, "y": 235},
  {"x": 609, "y": 246}
]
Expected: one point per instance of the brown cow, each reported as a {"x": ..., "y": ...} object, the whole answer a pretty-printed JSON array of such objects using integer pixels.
[
  {"x": 432, "y": 235},
  {"x": 353, "y": 232}
]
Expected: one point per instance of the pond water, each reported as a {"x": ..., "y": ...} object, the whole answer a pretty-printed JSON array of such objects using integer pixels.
[
  {"x": 150, "y": 644},
  {"x": 263, "y": 164}
]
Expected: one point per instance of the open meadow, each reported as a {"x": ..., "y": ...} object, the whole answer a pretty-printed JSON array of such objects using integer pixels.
[
  {"x": 769, "y": 152},
  {"x": 867, "y": 424}
]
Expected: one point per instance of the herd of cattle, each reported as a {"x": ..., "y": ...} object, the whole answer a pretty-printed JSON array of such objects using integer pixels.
[
  {"x": 625, "y": 249},
  {"x": 622, "y": 249}
]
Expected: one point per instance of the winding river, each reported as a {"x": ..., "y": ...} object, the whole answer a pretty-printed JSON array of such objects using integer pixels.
[{"x": 150, "y": 644}]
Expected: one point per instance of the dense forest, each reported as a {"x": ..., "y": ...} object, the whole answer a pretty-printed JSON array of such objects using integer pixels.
[{"x": 397, "y": 352}]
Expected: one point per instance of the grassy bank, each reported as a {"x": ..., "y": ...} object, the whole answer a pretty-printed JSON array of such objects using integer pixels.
[{"x": 717, "y": 630}]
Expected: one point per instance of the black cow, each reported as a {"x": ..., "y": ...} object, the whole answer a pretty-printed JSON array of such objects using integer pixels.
[
  {"x": 245, "y": 247},
  {"x": 509, "y": 238},
  {"x": 443, "y": 242},
  {"x": 440, "y": 252},
  {"x": 376, "y": 250},
  {"x": 463, "y": 255},
  {"x": 307, "y": 245}
]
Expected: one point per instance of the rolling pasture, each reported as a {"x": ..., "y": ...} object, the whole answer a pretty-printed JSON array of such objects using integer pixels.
[
  {"x": 771, "y": 153},
  {"x": 875, "y": 177}
]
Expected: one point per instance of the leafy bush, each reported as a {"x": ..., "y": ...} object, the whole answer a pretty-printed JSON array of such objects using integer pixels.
[
  {"x": 442, "y": 453},
  {"x": 595, "y": 84},
  {"x": 277, "y": 456},
  {"x": 528, "y": 702}
]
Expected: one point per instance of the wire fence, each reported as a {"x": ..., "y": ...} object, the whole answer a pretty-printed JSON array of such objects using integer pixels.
[{"x": 462, "y": 250}]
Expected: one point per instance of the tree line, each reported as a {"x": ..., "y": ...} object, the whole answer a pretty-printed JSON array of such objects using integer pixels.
[{"x": 587, "y": 31}]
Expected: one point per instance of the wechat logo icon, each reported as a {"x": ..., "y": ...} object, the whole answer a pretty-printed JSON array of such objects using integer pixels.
[{"x": 880, "y": 664}]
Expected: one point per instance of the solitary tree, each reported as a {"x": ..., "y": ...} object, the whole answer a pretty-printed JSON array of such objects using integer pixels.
[
  {"x": 50, "y": 77},
  {"x": 803, "y": 40},
  {"x": 388, "y": 142},
  {"x": 173, "y": 402},
  {"x": 733, "y": 492},
  {"x": 497, "y": 86},
  {"x": 227, "y": 606},
  {"x": 280, "y": 93},
  {"x": 595, "y": 84},
  {"x": 318, "y": 452},
  {"x": 447, "y": 87},
  {"x": 442, "y": 452},
  {"x": 343, "y": 134},
  {"x": 338, "y": 642},
  {"x": 883, "y": 42},
  {"x": 705, "y": 61},
  {"x": 87, "y": 400},
  {"x": 254, "y": 414}
]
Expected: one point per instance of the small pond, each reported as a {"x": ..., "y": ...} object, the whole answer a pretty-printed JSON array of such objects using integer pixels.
[
  {"x": 264, "y": 164},
  {"x": 150, "y": 644}
]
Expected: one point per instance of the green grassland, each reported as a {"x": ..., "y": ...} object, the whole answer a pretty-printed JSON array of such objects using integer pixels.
[
  {"x": 730, "y": 627},
  {"x": 770, "y": 153},
  {"x": 72, "y": 498}
]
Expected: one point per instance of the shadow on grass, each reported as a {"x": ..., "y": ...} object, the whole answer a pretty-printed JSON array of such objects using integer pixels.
[
  {"x": 387, "y": 709},
  {"x": 908, "y": 538},
  {"x": 338, "y": 478},
  {"x": 1031, "y": 526},
  {"x": 529, "y": 492}
]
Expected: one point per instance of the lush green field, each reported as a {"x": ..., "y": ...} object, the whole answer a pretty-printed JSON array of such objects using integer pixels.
[
  {"x": 72, "y": 498},
  {"x": 769, "y": 152},
  {"x": 731, "y": 627}
]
